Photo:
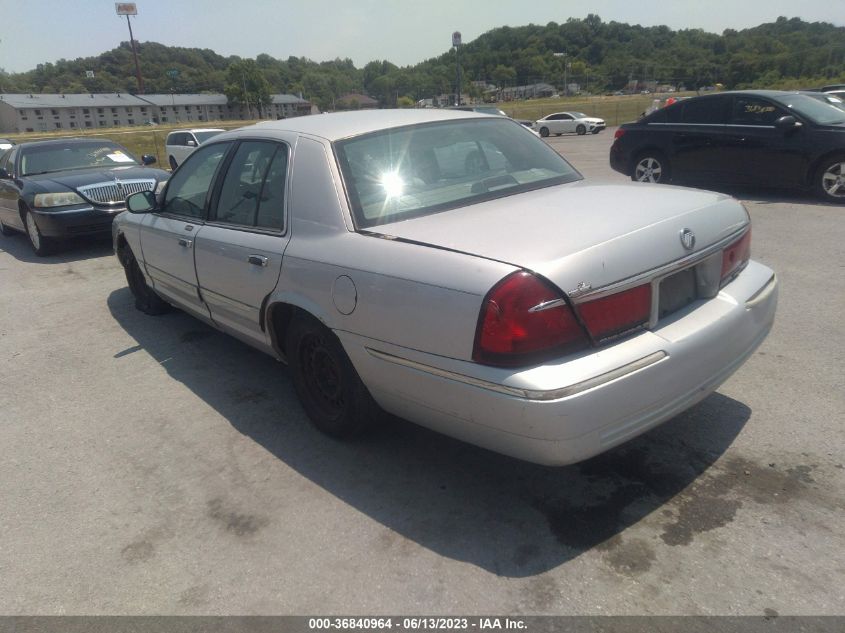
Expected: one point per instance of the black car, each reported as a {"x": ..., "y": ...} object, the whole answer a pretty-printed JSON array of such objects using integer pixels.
[
  {"x": 62, "y": 188},
  {"x": 761, "y": 137}
]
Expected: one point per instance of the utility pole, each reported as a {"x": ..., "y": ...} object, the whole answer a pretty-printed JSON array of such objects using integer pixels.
[
  {"x": 456, "y": 42},
  {"x": 565, "y": 73},
  {"x": 127, "y": 9},
  {"x": 246, "y": 98}
]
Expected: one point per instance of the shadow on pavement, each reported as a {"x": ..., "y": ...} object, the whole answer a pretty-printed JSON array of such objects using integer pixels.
[
  {"x": 72, "y": 250},
  {"x": 511, "y": 518}
]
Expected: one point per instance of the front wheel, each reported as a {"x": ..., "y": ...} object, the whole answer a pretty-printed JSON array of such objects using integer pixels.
[
  {"x": 581, "y": 130},
  {"x": 596, "y": 130},
  {"x": 40, "y": 245},
  {"x": 146, "y": 299},
  {"x": 329, "y": 388},
  {"x": 651, "y": 167},
  {"x": 830, "y": 179},
  {"x": 544, "y": 132}
]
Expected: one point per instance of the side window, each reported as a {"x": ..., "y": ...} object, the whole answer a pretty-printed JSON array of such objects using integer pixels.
[
  {"x": 754, "y": 111},
  {"x": 709, "y": 110},
  {"x": 188, "y": 187},
  {"x": 566, "y": 117},
  {"x": 171, "y": 139},
  {"x": 253, "y": 189}
]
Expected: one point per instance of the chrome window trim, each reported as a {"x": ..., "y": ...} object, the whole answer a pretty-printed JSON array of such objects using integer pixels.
[{"x": 527, "y": 394}]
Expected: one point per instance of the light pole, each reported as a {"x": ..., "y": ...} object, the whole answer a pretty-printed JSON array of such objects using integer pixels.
[
  {"x": 565, "y": 66},
  {"x": 127, "y": 9},
  {"x": 456, "y": 42}
]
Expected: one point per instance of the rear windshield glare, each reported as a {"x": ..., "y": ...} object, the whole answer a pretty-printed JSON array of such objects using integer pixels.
[{"x": 419, "y": 170}]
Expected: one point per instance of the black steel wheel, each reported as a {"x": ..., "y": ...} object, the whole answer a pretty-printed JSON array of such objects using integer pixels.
[
  {"x": 329, "y": 388},
  {"x": 146, "y": 299}
]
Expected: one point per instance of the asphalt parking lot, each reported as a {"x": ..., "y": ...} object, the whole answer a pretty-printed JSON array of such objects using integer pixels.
[{"x": 154, "y": 465}]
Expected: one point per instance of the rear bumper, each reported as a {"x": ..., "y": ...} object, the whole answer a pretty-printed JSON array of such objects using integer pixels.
[
  {"x": 566, "y": 412},
  {"x": 88, "y": 220}
]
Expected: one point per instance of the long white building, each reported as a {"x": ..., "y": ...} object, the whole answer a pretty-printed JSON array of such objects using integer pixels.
[{"x": 45, "y": 112}]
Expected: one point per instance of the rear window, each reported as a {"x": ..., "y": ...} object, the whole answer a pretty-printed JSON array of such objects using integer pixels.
[{"x": 419, "y": 170}]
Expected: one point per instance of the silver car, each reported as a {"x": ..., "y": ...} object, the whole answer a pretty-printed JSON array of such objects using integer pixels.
[{"x": 452, "y": 269}]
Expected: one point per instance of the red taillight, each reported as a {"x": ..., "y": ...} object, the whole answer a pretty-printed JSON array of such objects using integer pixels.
[
  {"x": 619, "y": 133},
  {"x": 735, "y": 255},
  {"x": 617, "y": 313},
  {"x": 510, "y": 334}
]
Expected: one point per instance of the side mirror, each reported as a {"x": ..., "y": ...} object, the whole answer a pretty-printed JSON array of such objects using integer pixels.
[
  {"x": 787, "y": 122},
  {"x": 141, "y": 202},
  {"x": 148, "y": 159},
  {"x": 4, "y": 175},
  {"x": 191, "y": 143}
]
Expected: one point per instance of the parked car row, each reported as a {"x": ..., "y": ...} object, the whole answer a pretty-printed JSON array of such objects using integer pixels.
[{"x": 452, "y": 269}]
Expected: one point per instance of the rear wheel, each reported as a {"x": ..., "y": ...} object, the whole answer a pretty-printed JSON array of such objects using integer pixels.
[
  {"x": 146, "y": 299},
  {"x": 329, "y": 388},
  {"x": 651, "y": 167},
  {"x": 581, "y": 129},
  {"x": 40, "y": 245},
  {"x": 830, "y": 179},
  {"x": 544, "y": 132}
]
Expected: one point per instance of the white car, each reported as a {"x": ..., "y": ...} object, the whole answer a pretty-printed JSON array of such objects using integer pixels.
[
  {"x": 180, "y": 143},
  {"x": 568, "y": 122}
]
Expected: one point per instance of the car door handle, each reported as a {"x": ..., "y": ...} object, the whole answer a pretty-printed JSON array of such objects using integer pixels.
[
  {"x": 257, "y": 260},
  {"x": 185, "y": 243}
]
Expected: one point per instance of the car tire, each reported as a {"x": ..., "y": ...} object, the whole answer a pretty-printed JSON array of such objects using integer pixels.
[
  {"x": 173, "y": 164},
  {"x": 651, "y": 167},
  {"x": 5, "y": 231},
  {"x": 830, "y": 179},
  {"x": 146, "y": 299},
  {"x": 329, "y": 388},
  {"x": 41, "y": 245},
  {"x": 581, "y": 129},
  {"x": 596, "y": 130},
  {"x": 544, "y": 132}
]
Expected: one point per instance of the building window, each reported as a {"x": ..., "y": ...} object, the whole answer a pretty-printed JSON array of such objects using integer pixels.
[
  {"x": 72, "y": 116},
  {"x": 99, "y": 110},
  {"x": 84, "y": 110},
  {"x": 54, "y": 112},
  {"x": 131, "y": 121},
  {"x": 58, "y": 125},
  {"x": 41, "y": 117},
  {"x": 88, "y": 124},
  {"x": 102, "y": 124},
  {"x": 164, "y": 119},
  {"x": 143, "y": 110},
  {"x": 116, "y": 123},
  {"x": 72, "y": 124},
  {"x": 38, "y": 112},
  {"x": 29, "y": 129},
  {"x": 23, "y": 118},
  {"x": 114, "y": 110}
]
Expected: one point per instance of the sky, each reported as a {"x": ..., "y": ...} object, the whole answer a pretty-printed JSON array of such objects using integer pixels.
[{"x": 402, "y": 31}]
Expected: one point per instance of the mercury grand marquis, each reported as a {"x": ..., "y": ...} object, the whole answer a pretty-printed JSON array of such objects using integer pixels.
[{"x": 452, "y": 269}]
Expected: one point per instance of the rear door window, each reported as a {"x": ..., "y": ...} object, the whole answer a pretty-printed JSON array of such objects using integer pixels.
[
  {"x": 252, "y": 194},
  {"x": 707, "y": 111}
]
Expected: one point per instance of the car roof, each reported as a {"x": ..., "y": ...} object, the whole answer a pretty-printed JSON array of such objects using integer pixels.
[
  {"x": 340, "y": 125},
  {"x": 65, "y": 141},
  {"x": 197, "y": 129}
]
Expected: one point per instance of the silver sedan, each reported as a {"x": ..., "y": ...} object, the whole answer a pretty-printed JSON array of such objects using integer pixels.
[{"x": 452, "y": 269}]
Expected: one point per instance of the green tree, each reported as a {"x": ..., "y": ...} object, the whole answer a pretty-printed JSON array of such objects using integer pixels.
[{"x": 245, "y": 83}]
